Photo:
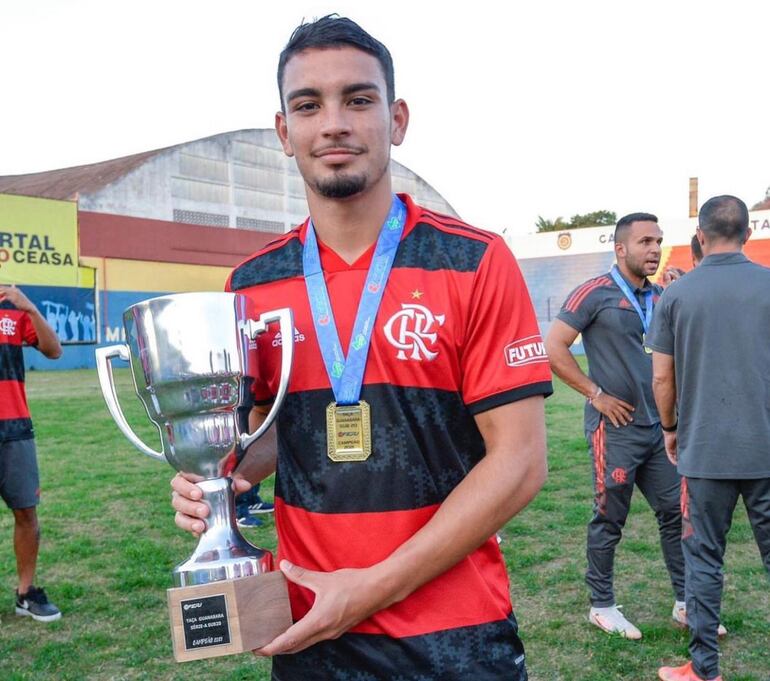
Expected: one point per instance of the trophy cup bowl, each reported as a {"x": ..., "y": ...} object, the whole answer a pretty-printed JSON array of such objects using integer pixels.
[{"x": 193, "y": 361}]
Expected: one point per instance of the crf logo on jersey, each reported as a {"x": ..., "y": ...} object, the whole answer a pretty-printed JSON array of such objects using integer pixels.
[
  {"x": 529, "y": 350},
  {"x": 619, "y": 476},
  {"x": 7, "y": 326},
  {"x": 413, "y": 331}
]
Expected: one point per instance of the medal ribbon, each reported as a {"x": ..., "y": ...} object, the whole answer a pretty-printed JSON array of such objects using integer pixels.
[
  {"x": 645, "y": 316},
  {"x": 346, "y": 374}
]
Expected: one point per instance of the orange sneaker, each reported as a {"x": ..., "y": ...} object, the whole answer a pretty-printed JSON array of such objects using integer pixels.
[{"x": 683, "y": 673}]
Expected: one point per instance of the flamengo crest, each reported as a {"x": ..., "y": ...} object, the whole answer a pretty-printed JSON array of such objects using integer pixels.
[
  {"x": 412, "y": 330},
  {"x": 7, "y": 326}
]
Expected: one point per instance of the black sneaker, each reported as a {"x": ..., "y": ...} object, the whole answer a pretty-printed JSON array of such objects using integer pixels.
[{"x": 35, "y": 604}]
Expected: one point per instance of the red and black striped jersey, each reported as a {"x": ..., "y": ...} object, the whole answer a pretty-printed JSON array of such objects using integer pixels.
[
  {"x": 16, "y": 330},
  {"x": 455, "y": 335}
]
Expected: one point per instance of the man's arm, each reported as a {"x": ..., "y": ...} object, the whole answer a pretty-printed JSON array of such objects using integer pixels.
[
  {"x": 47, "y": 340},
  {"x": 557, "y": 345},
  {"x": 664, "y": 390},
  {"x": 497, "y": 488},
  {"x": 260, "y": 459}
]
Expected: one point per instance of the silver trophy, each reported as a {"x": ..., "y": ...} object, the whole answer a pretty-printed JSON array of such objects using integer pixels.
[{"x": 193, "y": 361}]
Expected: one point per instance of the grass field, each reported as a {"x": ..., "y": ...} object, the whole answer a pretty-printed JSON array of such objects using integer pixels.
[{"x": 109, "y": 544}]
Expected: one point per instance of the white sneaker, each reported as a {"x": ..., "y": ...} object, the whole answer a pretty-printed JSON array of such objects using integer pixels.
[
  {"x": 612, "y": 621},
  {"x": 679, "y": 615}
]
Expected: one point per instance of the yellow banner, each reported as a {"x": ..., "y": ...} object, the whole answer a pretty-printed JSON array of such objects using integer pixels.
[{"x": 38, "y": 241}]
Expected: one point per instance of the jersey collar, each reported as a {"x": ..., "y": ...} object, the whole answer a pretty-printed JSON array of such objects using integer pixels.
[{"x": 331, "y": 262}]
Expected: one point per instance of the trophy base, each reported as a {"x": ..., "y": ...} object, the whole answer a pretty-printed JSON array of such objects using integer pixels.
[{"x": 228, "y": 617}]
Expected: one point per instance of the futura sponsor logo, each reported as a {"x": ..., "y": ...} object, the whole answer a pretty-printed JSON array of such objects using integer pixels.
[{"x": 529, "y": 350}]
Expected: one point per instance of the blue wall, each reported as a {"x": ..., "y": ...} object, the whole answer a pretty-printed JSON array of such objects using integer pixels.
[{"x": 81, "y": 355}]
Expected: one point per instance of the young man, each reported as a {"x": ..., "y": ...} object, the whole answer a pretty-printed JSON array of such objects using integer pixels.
[
  {"x": 392, "y": 560},
  {"x": 22, "y": 324},
  {"x": 711, "y": 363},
  {"x": 613, "y": 313}
]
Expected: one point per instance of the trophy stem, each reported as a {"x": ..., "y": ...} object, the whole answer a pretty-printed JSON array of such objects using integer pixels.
[
  {"x": 218, "y": 495},
  {"x": 222, "y": 551}
]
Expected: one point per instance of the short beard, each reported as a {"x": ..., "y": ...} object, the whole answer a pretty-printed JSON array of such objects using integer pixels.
[
  {"x": 637, "y": 268},
  {"x": 341, "y": 186}
]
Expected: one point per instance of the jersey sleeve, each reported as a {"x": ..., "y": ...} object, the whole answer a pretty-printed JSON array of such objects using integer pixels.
[
  {"x": 503, "y": 355},
  {"x": 579, "y": 308},
  {"x": 27, "y": 328},
  {"x": 661, "y": 335}
]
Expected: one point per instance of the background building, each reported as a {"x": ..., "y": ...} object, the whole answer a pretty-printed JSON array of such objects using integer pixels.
[
  {"x": 89, "y": 241},
  {"x": 164, "y": 221}
]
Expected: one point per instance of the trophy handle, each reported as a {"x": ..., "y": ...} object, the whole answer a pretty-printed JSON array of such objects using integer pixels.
[
  {"x": 107, "y": 383},
  {"x": 285, "y": 318}
]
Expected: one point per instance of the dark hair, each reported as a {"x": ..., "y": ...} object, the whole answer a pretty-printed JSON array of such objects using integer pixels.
[
  {"x": 336, "y": 31},
  {"x": 627, "y": 220},
  {"x": 697, "y": 251},
  {"x": 724, "y": 218}
]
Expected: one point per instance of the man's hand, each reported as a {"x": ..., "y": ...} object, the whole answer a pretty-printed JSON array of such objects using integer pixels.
[
  {"x": 47, "y": 341},
  {"x": 17, "y": 297},
  {"x": 505, "y": 480},
  {"x": 671, "y": 446},
  {"x": 186, "y": 500},
  {"x": 617, "y": 411},
  {"x": 565, "y": 366},
  {"x": 343, "y": 598},
  {"x": 671, "y": 274}
]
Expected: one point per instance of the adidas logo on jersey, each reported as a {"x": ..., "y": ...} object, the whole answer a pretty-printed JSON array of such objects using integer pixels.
[{"x": 298, "y": 338}]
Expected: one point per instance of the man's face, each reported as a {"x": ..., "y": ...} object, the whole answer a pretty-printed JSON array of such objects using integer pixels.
[
  {"x": 641, "y": 248},
  {"x": 337, "y": 121}
]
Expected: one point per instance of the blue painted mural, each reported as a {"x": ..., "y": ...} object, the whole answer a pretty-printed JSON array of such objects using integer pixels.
[{"x": 69, "y": 317}]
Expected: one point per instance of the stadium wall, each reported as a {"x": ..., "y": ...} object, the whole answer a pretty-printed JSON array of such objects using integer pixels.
[
  {"x": 132, "y": 259},
  {"x": 84, "y": 268},
  {"x": 554, "y": 263}
]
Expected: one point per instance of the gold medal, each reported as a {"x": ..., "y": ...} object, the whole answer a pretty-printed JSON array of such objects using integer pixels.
[
  {"x": 644, "y": 344},
  {"x": 348, "y": 432}
]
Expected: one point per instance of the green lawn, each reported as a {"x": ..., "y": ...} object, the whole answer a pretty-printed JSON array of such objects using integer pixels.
[{"x": 109, "y": 544}]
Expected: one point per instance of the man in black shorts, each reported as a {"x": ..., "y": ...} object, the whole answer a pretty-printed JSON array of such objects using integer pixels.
[
  {"x": 613, "y": 313},
  {"x": 22, "y": 324},
  {"x": 711, "y": 362}
]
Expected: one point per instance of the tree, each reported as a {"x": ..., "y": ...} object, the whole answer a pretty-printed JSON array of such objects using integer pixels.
[
  {"x": 599, "y": 218},
  {"x": 764, "y": 204},
  {"x": 556, "y": 225}
]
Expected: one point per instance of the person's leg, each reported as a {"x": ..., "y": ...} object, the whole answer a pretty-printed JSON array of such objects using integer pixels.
[
  {"x": 660, "y": 483},
  {"x": 20, "y": 488},
  {"x": 26, "y": 544},
  {"x": 243, "y": 503},
  {"x": 612, "y": 499},
  {"x": 756, "y": 496},
  {"x": 258, "y": 504},
  {"x": 708, "y": 510},
  {"x": 21, "y": 491}
]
